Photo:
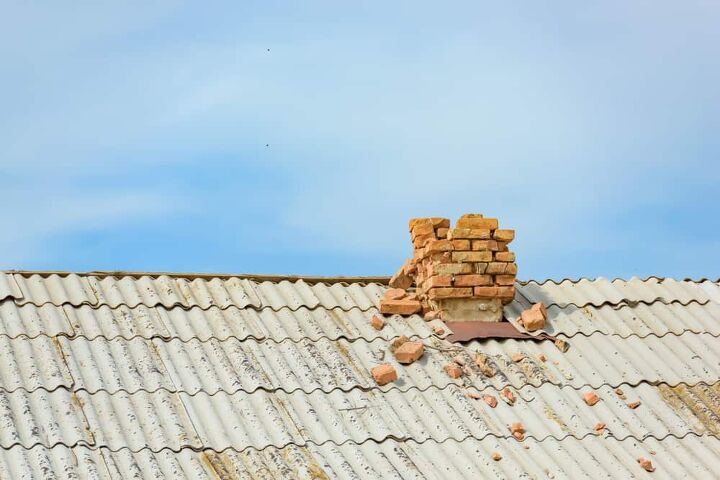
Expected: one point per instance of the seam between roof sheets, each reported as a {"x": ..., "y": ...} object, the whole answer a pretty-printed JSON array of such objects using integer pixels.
[
  {"x": 577, "y": 280},
  {"x": 350, "y": 441},
  {"x": 414, "y": 334},
  {"x": 523, "y": 391}
]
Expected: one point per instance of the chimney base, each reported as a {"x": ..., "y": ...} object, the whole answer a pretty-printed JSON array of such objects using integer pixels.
[{"x": 469, "y": 309}]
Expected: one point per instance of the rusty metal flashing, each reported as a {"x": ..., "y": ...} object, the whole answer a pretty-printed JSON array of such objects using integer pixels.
[{"x": 466, "y": 331}]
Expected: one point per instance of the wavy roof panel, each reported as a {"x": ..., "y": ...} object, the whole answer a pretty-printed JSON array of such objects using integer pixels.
[{"x": 147, "y": 376}]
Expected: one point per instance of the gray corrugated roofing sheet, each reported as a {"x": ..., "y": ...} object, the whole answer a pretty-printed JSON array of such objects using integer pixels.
[
  {"x": 687, "y": 458},
  {"x": 140, "y": 377}
]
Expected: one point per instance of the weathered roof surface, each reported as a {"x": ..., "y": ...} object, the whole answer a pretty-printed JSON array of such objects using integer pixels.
[{"x": 147, "y": 376}]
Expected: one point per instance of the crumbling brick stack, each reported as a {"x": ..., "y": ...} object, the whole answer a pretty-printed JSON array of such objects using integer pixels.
[{"x": 464, "y": 273}]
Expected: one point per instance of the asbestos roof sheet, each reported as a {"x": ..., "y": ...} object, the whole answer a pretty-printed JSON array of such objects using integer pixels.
[{"x": 147, "y": 376}]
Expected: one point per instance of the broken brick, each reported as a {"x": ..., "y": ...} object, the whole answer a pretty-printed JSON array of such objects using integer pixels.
[
  {"x": 377, "y": 322},
  {"x": 646, "y": 464},
  {"x": 490, "y": 400},
  {"x": 482, "y": 362},
  {"x": 634, "y": 405},
  {"x": 400, "y": 307},
  {"x": 394, "y": 294},
  {"x": 591, "y": 398},
  {"x": 518, "y": 430},
  {"x": 403, "y": 278},
  {"x": 508, "y": 396},
  {"x": 504, "y": 235},
  {"x": 442, "y": 232},
  {"x": 409, "y": 352},
  {"x": 453, "y": 370},
  {"x": 459, "y": 359},
  {"x": 540, "y": 307},
  {"x": 395, "y": 344},
  {"x": 496, "y": 456},
  {"x": 431, "y": 315},
  {"x": 532, "y": 320},
  {"x": 384, "y": 374}
]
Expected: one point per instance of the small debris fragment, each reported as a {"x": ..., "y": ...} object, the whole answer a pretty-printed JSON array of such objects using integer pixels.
[
  {"x": 508, "y": 396},
  {"x": 395, "y": 344},
  {"x": 496, "y": 456},
  {"x": 377, "y": 322},
  {"x": 518, "y": 430},
  {"x": 526, "y": 446},
  {"x": 473, "y": 395},
  {"x": 453, "y": 370},
  {"x": 409, "y": 352},
  {"x": 620, "y": 393},
  {"x": 431, "y": 315},
  {"x": 634, "y": 405},
  {"x": 555, "y": 362},
  {"x": 541, "y": 357},
  {"x": 591, "y": 398},
  {"x": 646, "y": 464},
  {"x": 438, "y": 330},
  {"x": 599, "y": 428},
  {"x": 562, "y": 345},
  {"x": 384, "y": 374},
  {"x": 490, "y": 400},
  {"x": 518, "y": 357}
]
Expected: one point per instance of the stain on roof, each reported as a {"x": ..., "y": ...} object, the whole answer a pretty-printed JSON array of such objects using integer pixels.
[{"x": 114, "y": 375}]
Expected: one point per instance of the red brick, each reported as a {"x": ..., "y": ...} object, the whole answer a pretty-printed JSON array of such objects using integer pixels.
[
  {"x": 484, "y": 245},
  {"x": 453, "y": 370},
  {"x": 399, "y": 307},
  {"x": 646, "y": 464},
  {"x": 469, "y": 233},
  {"x": 472, "y": 280},
  {"x": 419, "y": 242},
  {"x": 402, "y": 278},
  {"x": 414, "y": 222},
  {"x": 409, "y": 352},
  {"x": 485, "y": 292},
  {"x": 532, "y": 320},
  {"x": 591, "y": 398},
  {"x": 461, "y": 244},
  {"x": 467, "y": 257},
  {"x": 490, "y": 400},
  {"x": 506, "y": 293},
  {"x": 437, "y": 246},
  {"x": 394, "y": 294},
  {"x": 505, "y": 280},
  {"x": 477, "y": 222},
  {"x": 439, "y": 281},
  {"x": 502, "y": 246},
  {"x": 442, "y": 232},
  {"x": 398, "y": 342},
  {"x": 504, "y": 235},
  {"x": 384, "y": 374},
  {"x": 511, "y": 269},
  {"x": 505, "y": 256},
  {"x": 444, "y": 292},
  {"x": 495, "y": 268},
  {"x": 377, "y": 322},
  {"x": 540, "y": 307}
]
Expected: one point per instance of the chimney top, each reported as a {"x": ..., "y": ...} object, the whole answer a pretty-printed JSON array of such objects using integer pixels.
[{"x": 466, "y": 273}]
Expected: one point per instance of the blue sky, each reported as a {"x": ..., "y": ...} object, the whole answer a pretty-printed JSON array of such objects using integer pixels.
[{"x": 299, "y": 137}]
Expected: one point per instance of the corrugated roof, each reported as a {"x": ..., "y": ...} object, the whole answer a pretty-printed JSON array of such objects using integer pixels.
[{"x": 147, "y": 376}]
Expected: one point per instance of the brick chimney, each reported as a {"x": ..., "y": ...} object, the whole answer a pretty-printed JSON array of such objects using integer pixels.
[{"x": 465, "y": 273}]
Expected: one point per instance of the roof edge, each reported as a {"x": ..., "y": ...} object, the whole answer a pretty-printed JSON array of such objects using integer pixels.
[{"x": 207, "y": 276}]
